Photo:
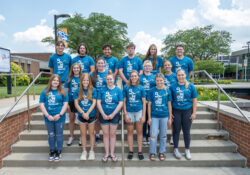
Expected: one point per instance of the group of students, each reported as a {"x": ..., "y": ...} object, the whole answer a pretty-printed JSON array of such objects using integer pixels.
[{"x": 151, "y": 101}]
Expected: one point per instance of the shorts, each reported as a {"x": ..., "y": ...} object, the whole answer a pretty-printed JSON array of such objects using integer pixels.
[
  {"x": 91, "y": 120},
  {"x": 135, "y": 116},
  {"x": 72, "y": 107},
  {"x": 113, "y": 121}
]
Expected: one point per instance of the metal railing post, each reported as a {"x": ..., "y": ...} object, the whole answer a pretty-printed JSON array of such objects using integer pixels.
[
  {"x": 218, "y": 110},
  {"x": 34, "y": 97},
  {"x": 15, "y": 86},
  {"x": 123, "y": 161},
  {"x": 28, "y": 105}
]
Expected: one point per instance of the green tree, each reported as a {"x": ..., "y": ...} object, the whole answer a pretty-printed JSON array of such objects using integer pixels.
[
  {"x": 210, "y": 66},
  {"x": 95, "y": 31},
  {"x": 201, "y": 43}
]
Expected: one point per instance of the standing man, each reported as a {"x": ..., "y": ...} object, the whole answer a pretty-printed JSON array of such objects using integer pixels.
[
  {"x": 111, "y": 63},
  {"x": 60, "y": 62},
  {"x": 182, "y": 62},
  {"x": 130, "y": 63},
  {"x": 87, "y": 63}
]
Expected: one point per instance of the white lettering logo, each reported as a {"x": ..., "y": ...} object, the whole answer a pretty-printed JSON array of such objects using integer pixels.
[{"x": 108, "y": 97}]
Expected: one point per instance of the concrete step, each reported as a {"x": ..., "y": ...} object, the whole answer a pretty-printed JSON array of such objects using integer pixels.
[
  {"x": 199, "y": 115},
  {"x": 197, "y": 146},
  {"x": 197, "y": 124},
  {"x": 72, "y": 160},
  {"x": 196, "y": 134}
]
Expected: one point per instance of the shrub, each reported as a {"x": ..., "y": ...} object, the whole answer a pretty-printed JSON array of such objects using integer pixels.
[
  {"x": 206, "y": 94},
  {"x": 210, "y": 66},
  {"x": 20, "y": 79}
]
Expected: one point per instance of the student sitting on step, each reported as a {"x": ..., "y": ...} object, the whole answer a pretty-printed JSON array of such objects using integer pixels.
[
  {"x": 134, "y": 108},
  {"x": 184, "y": 104},
  {"x": 85, "y": 103},
  {"x": 159, "y": 109},
  {"x": 53, "y": 104},
  {"x": 109, "y": 103}
]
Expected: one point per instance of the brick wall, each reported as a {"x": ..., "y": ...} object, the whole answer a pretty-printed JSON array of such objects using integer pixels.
[
  {"x": 10, "y": 129},
  {"x": 239, "y": 133}
]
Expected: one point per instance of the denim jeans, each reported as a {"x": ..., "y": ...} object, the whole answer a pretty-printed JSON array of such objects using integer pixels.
[
  {"x": 160, "y": 124},
  {"x": 55, "y": 135}
]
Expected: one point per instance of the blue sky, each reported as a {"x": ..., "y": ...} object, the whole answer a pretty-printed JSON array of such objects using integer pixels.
[{"x": 24, "y": 23}]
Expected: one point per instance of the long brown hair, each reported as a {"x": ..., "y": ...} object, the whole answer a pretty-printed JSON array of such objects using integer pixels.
[
  {"x": 94, "y": 76},
  {"x": 130, "y": 81},
  {"x": 154, "y": 56},
  {"x": 60, "y": 90},
  {"x": 71, "y": 73},
  {"x": 186, "y": 82},
  {"x": 81, "y": 95}
]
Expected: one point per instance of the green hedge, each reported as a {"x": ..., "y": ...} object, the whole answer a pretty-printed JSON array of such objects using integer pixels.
[{"x": 42, "y": 80}]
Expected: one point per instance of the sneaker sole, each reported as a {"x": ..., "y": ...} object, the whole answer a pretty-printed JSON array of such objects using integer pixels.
[{"x": 177, "y": 157}]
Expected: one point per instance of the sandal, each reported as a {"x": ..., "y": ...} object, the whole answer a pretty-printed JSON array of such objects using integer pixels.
[
  {"x": 152, "y": 157},
  {"x": 114, "y": 158},
  {"x": 105, "y": 158},
  {"x": 140, "y": 156},
  {"x": 162, "y": 156},
  {"x": 130, "y": 155}
]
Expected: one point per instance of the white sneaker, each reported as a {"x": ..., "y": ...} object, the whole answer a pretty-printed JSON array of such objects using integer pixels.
[
  {"x": 171, "y": 140},
  {"x": 91, "y": 155},
  {"x": 177, "y": 153},
  {"x": 187, "y": 154},
  {"x": 84, "y": 155},
  {"x": 70, "y": 141},
  {"x": 144, "y": 141}
]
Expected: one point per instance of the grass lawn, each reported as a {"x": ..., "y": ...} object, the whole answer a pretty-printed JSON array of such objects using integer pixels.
[{"x": 38, "y": 89}]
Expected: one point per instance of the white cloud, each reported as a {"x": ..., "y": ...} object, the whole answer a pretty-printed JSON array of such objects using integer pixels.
[
  {"x": 143, "y": 40},
  {"x": 3, "y": 35},
  {"x": 52, "y": 12},
  {"x": 2, "y": 18},
  {"x": 188, "y": 19}
]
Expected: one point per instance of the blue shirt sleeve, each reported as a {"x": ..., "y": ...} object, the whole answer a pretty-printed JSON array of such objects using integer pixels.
[
  {"x": 140, "y": 65},
  {"x": 91, "y": 61},
  {"x": 194, "y": 93},
  {"x": 67, "y": 85},
  {"x": 42, "y": 96},
  {"x": 124, "y": 93},
  {"x": 94, "y": 93},
  {"x": 149, "y": 97},
  {"x": 169, "y": 95},
  {"x": 120, "y": 96},
  {"x": 50, "y": 62},
  {"x": 116, "y": 63},
  {"x": 190, "y": 65},
  {"x": 66, "y": 97},
  {"x": 75, "y": 95},
  {"x": 70, "y": 61},
  {"x": 121, "y": 64},
  {"x": 99, "y": 95},
  {"x": 143, "y": 93}
]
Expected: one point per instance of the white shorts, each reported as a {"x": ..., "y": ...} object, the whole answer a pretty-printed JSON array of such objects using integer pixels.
[{"x": 135, "y": 116}]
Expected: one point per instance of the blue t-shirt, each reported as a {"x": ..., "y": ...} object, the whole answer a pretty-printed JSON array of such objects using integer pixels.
[
  {"x": 182, "y": 98},
  {"x": 185, "y": 63},
  {"x": 73, "y": 87},
  {"x": 111, "y": 63},
  {"x": 101, "y": 80},
  {"x": 53, "y": 103},
  {"x": 61, "y": 65},
  {"x": 147, "y": 81},
  {"x": 134, "y": 95},
  {"x": 128, "y": 65},
  {"x": 159, "y": 63},
  {"x": 169, "y": 80},
  {"x": 110, "y": 99},
  {"x": 159, "y": 99},
  {"x": 85, "y": 104},
  {"x": 85, "y": 62}
]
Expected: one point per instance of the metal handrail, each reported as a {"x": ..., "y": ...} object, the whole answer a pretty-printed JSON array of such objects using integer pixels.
[
  {"x": 19, "y": 74},
  {"x": 224, "y": 92},
  {"x": 19, "y": 98}
]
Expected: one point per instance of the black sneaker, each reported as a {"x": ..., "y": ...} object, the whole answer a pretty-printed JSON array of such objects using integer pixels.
[
  {"x": 140, "y": 156},
  {"x": 130, "y": 155},
  {"x": 51, "y": 156},
  {"x": 97, "y": 140},
  {"x": 58, "y": 156}
]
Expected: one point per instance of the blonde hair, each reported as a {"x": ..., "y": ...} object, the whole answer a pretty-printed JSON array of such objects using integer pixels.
[
  {"x": 71, "y": 73},
  {"x": 89, "y": 89},
  {"x": 130, "y": 81},
  {"x": 186, "y": 82},
  {"x": 160, "y": 75},
  {"x": 59, "y": 88}
]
